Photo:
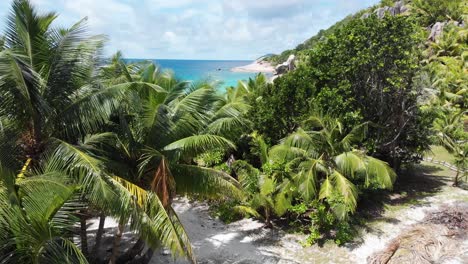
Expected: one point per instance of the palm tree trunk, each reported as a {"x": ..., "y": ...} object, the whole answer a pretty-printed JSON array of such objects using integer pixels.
[
  {"x": 116, "y": 246},
  {"x": 37, "y": 134},
  {"x": 83, "y": 234},
  {"x": 100, "y": 232},
  {"x": 455, "y": 183},
  {"x": 267, "y": 218}
]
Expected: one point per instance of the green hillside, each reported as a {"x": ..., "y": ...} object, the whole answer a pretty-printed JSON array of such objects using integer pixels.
[{"x": 427, "y": 7}]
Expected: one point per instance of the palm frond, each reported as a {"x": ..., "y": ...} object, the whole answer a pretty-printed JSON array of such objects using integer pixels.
[
  {"x": 154, "y": 222},
  {"x": 204, "y": 182},
  {"x": 348, "y": 163},
  {"x": 246, "y": 211},
  {"x": 198, "y": 144},
  {"x": 283, "y": 201},
  {"x": 326, "y": 189},
  {"x": 299, "y": 139},
  {"x": 380, "y": 173},
  {"x": 264, "y": 158},
  {"x": 346, "y": 189},
  {"x": 306, "y": 180}
]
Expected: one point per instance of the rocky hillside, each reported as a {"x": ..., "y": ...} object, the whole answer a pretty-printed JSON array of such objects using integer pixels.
[{"x": 434, "y": 22}]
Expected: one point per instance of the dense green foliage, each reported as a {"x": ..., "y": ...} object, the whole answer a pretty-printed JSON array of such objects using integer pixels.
[
  {"x": 117, "y": 141},
  {"x": 358, "y": 74},
  {"x": 366, "y": 75},
  {"x": 319, "y": 167},
  {"x": 409, "y": 91},
  {"x": 432, "y": 11},
  {"x": 82, "y": 137},
  {"x": 278, "y": 109}
]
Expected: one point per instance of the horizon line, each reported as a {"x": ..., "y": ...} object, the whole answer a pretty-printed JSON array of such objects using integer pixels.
[{"x": 190, "y": 59}]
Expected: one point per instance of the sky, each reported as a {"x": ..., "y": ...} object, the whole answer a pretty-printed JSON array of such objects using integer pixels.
[{"x": 199, "y": 29}]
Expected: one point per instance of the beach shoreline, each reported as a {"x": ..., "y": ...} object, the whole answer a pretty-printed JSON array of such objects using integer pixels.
[{"x": 256, "y": 66}]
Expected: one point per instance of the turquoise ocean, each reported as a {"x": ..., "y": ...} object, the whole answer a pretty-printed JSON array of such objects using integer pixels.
[{"x": 195, "y": 70}]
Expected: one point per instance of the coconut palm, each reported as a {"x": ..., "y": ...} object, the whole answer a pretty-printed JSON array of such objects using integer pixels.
[
  {"x": 74, "y": 167},
  {"x": 36, "y": 219},
  {"x": 163, "y": 130},
  {"x": 160, "y": 130},
  {"x": 449, "y": 133},
  {"x": 45, "y": 75},
  {"x": 51, "y": 98},
  {"x": 49, "y": 84},
  {"x": 169, "y": 124},
  {"x": 267, "y": 188},
  {"x": 326, "y": 165}
]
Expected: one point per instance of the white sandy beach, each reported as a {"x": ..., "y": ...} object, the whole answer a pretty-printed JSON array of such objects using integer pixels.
[
  {"x": 256, "y": 66},
  {"x": 248, "y": 242}
]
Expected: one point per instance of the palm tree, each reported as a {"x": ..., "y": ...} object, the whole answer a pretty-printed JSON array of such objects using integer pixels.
[
  {"x": 47, "y": 84},
  {"x": 325, "y": 165},
  {"x": 229, "y": 118},
  {"x": 37, "y": 219},
  {"x": 160, "y": 130},
  {"x": 51, "y": 98},
  {"x": 72, "y": 170},
  {"x": 449, "y": 133},
  {"x": 447, "y": 65},
  {"x": 266, "y": 188}
]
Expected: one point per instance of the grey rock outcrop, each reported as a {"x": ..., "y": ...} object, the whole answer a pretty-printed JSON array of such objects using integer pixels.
[
  {"x": 288, "y": 65},
  {"x": 380, "y": 12},
  {"x": 291, "y": 62},
  {"x": 398, "y": 8},
  {"x": 365, "y": 15},
  {"x": 436, "y": 31},
  {"x": 281, "y": 69}
]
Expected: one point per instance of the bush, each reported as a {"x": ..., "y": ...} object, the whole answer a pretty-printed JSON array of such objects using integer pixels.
[
  {"x": 224, "y": 211},
  {"x": 324, "y": 224},
  {"x": 365, "y": 72},
  {"x": 431, "y": 11},
  {"x": 278, "y": 109}
]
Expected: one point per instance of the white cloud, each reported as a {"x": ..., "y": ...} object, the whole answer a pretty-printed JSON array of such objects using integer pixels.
[{"x": 202, "y": 29}]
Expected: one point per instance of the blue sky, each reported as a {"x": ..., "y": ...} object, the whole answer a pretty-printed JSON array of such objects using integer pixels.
[{"x": 200, "y": 29}]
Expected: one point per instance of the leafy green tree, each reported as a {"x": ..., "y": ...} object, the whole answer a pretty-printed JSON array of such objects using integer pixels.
[
  {"x": 327, "y": 166},
  {"x": 365, "y": 72},
  {"x": 277, "y": 109}
]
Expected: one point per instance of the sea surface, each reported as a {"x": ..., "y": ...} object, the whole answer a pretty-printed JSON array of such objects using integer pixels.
[{"x": 197, "y": 70}]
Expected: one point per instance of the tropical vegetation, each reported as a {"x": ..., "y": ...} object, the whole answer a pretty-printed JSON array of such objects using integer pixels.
[{"x": 88, "y": 139}]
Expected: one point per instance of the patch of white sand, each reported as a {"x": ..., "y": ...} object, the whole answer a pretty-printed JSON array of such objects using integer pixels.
[
  {"x": 256, "y": 66},
  {"x": 384, "y": 232},
  {"x": 247, "y": 241}
]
